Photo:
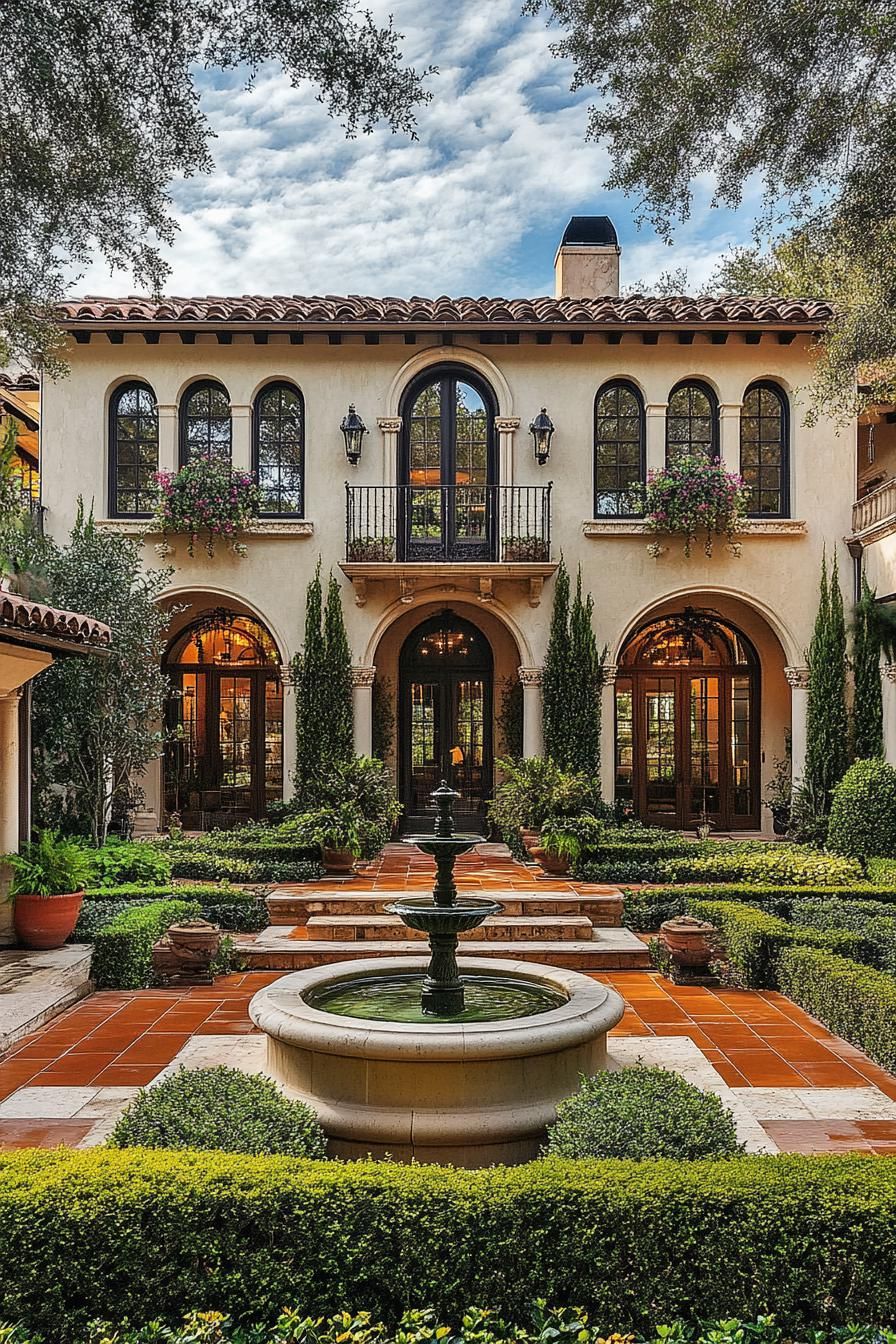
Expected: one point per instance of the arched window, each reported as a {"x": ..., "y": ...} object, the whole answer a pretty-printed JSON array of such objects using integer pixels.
[
  {"x": 692, "y": 422},
  {"x": 619, "y": 460},
  {"x": 205, "y": 423},
  {"x": 278, "y": 449},
  {"x": 765, "y": 450},
  {"x": 133, "y": 451}
]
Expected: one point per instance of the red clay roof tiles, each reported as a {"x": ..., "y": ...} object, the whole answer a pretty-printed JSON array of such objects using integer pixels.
[{"x": 41, "y": 619}]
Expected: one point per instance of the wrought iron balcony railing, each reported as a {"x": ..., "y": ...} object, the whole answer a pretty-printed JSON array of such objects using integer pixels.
[{"x": 451, "y": 523}]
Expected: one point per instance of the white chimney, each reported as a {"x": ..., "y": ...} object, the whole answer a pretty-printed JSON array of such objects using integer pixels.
[{"x": 587, "y": 262}]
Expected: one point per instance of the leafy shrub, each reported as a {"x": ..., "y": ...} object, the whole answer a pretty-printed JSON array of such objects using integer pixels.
[
  {"x": 645, "y": 910},
  {"x": 157, "y": 1232},
  {"x": 231, "y": 907},
  {"x": 96, "y": 915},
  {"x": 51, "y": 865},
  {"x": 121, "y": 861},
  {"x": 617, "y": 870},
  {"x": 642, "y": 1113},
  {"x": 533, "y": 789},
  {"x": 122, "y": 949},
  {"x": 207, "y": 498},
  {"x": 204, "y": 865},
  {"x": 875, "y": 921},
  {"x": 219, "y": 1109},
  {"x": 854, "y": 1001},
  {"x": 755, "y": 940},
  {"x": 863, "y": 812},
  {"x": 789, "y": 865}
]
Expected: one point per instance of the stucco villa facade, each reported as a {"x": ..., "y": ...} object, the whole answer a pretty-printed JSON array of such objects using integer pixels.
[{"x": 446, "y": 534}]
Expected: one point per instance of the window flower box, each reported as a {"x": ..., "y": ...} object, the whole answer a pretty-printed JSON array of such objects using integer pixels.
[
  {"x": 206, "y": 500},
  {"x": 526, "y": 548},
  {"x": 366, "y": 549},
  {"x": 694, "y": 498}
]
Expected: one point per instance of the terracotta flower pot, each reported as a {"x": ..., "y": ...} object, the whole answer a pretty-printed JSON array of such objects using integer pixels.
[
  {"x": 339, "y": 860},
  {"x": 197, "y": 937},
  {"x": 46, "y": 921},
  {"x": 552, "y": 864},
  {"x": 688, "y": 940},
  {"x": 528, "y": 839}
]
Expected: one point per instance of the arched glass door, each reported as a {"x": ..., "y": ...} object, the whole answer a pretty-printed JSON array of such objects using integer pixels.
[
  {"x": 687, "y": 723},
  {"x": 226, "y": 762},
  {"x": 446, "y": 692},
  {"x": 447, "y": 468}
]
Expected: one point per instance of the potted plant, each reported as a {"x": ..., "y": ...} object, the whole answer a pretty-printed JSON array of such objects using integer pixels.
[
  {"x": 694, "y": 498},
  {"x": 526, "y": 548},
  {"x": 336, "y": 831},
  {"x": 533, "y": 789},
  {"x": 780, "y": 796},
  {"x": 47, "y": 887},
  {"x": 371, "y": 549},
  {"x": 562, "y": 840},
  {"x": 206, "y": 498}
]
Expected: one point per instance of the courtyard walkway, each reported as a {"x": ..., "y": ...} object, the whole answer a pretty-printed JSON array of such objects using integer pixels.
[{"x": 793, "y": 1086}]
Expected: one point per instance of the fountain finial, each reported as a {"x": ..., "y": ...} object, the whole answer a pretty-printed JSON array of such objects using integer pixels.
[{"x": 444, "y": 797}]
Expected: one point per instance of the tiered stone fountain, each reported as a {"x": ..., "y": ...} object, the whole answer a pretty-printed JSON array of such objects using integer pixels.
[{"x": 458, "y": 1061}]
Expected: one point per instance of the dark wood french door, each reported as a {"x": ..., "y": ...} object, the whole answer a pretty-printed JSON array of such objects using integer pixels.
[{"x": 446, "y": 712}]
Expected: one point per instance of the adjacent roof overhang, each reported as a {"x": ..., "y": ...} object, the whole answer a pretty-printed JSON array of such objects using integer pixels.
[{"x": 60, "y": 632}]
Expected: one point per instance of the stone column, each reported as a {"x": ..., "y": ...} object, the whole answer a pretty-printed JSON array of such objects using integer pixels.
[
  {"x": 798, "y": 680},
  {"x": 729, "y": 435},
  {"x": 168, "y": 447},
  {"x": 655, "y": 413},
  {"x": 9, "y": 771},
  {"x": 506, "y": 425},
  {"x": 390, "y": 428},
  {"x": 533, "y": 734},
  {"x": 362, "y": 708},
  {"x": 888, "y": 690},
  {"x": 608, "y": 734},
  {"x": 241, "y": 442}
]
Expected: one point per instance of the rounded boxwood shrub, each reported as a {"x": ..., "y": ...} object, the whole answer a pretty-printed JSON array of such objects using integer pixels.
[
  {"x": 222, "y": 1110},
  {"x": 863, "y": 812},
  {"x": 641, "y": 1113}
]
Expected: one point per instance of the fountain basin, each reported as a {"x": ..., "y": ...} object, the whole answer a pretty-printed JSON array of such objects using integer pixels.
[
  {"x": 421, "y": 912},
  {"x": 467, "y": 1093}
]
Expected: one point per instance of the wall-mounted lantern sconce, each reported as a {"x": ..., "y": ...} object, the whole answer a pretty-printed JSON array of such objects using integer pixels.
[
  {"x": 542, "y": 429},
  {"x": 353, "y": 430}
]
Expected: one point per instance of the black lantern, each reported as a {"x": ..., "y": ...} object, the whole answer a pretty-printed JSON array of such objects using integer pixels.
[
  {"x": 353, "y": 430},
  {"x": 542, "y": 429}
]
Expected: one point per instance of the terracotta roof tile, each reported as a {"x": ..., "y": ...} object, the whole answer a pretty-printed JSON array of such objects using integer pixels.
[
  {"x": 354, "y": 308},
  {"x": 41, "y": 619}
]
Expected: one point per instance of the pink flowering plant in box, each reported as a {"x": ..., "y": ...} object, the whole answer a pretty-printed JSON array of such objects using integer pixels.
[
  {"x": 206, "y": 499},
  {"x": 695, "y": 498}
]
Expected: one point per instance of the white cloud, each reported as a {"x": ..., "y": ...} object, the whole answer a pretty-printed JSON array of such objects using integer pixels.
[{"x": 292, "y": 207}]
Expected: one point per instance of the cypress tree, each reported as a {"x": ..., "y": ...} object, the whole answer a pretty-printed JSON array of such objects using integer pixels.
[
  {"x": 555, "y": 711},
  {"x": 571, "y": 681},
  {"x": 338, "y": 724},
  {"x": 827, "y": 722},
  {"x": 309, "y": 671},
  {"x": 867, "y": 709}
]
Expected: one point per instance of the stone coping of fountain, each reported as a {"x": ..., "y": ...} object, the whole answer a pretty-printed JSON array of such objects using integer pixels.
[{"x": 280, "y": 1010}]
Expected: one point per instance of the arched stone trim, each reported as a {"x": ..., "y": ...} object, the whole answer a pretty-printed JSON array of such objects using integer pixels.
[
  {"x": 222, "y": 597},
  {"x": 461, "y": 355},
  {"x": 793, "y": 653},
  {"x": 426, "y": 598}
]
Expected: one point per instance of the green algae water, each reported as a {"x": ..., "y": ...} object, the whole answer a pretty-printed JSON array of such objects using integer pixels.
[{"x": 396, "y": 998}]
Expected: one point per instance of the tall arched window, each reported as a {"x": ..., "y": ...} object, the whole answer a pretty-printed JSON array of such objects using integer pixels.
[
  {"x": 692, "y": 422},
  {"x": 765, "y": 450},
  {"x": 278, "y": 449},
  {"x": 133, "y": 451},
  {"x": 205, "y": 423},
  {"x": 619, "y": 460}
]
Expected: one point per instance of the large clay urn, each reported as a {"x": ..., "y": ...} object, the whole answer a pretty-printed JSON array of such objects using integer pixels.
[
  {"x": 688, "y": 940},
  {"x": 555, "y": 865},
  {"x": 195, "y": 938},
  {"x": 45, "y": 922},
  {"x": 341, "y": 861}
]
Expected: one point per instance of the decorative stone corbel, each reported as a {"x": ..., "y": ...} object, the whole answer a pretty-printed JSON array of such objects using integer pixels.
[
  {"x": 486, "y": 589},
  {"x": 360, "y": 586},
  {"x": 407, "y": 589},
  {"x": 535, "y": 589},
  {"x": 797, "y": 678}
]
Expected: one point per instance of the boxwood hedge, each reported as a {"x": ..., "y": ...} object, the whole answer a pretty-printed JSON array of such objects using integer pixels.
[
  {"x": 141, "y": 1234},
  {"x": 857, "y": 1002},
  {"x": 754, "y": 940},
  {"x": 645, "y": 908},
  {"x": 122, "y": 949},
  {"x": 233, "y": 908}
]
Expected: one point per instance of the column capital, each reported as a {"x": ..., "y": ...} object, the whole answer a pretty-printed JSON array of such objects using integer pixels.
[
  {"x": 730, "y": 410},
  {"x": 530, "y": 676},
  {"x": 797, "y": 677},
  {"x": 363, "y": 676},
  {"x": 889, "y": 671},
  {"x": 507, "y": 424},
  {"x": 389, "y": 424},
  {"x": 610, "y": 671},
  {"x": 656, "y": 407}
]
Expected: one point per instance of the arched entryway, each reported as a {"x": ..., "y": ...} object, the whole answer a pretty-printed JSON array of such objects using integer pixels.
[
  {"x": 445, "y": 701},
  {"x": 687, "y": 722},
  {"x": 225, "y": 763}
]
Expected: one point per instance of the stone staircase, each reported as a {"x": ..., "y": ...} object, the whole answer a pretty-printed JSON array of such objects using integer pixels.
[{"x": 575, "y": 930}]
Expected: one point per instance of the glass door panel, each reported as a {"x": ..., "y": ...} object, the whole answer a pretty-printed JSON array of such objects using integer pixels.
[
  {"x": 273, "y": 740},
  {"x": 467, "y": 749},
  {"x": 705, "y": 747},
  {"x": 235, "y": 742},
  {"x": 625, "y": 740},
  {"x": 425, "y": 742},
  {"x": 661, "y": 773},
  {"x": 742, "y": 800},
  {"x": 468, "y": 504}
]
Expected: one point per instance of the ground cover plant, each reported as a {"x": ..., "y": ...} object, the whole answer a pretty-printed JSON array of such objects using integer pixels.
[
  {"x": 158, "y": 1232},
  {"x": 219, "y": 1109},
  {"x": 120, "y": 861},
  {"x": 642, "y": 1113}
]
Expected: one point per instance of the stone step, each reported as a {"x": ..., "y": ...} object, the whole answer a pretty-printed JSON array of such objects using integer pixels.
[
  {"x": 36, "y": 986},
  {"x": 608, "y": 950},
  {"x": 499, "y": 928},
  {"x": 603, "y": 908}
]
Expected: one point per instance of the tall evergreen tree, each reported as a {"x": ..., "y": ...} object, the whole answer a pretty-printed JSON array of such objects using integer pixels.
[
  {"x": 868, "y": 709},
  {"x": 571, "y": 682},
  {"x": 555, "y": 713},
  {"x": 309, "y": 672},
  {"x": 338, "y": 724},
  {"x": 827, "y": 721}
]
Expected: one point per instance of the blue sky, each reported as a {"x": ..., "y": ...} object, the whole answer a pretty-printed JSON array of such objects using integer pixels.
[{"x": 474, "y": 206}]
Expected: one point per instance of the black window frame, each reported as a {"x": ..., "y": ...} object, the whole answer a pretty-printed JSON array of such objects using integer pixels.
[
  {"x": 767, "y": 385},
  {"x": 619, "y": 385},
  {"x": 697, "y": 385},
  {"x": 200, "y": 385},
  {"x": 131, "y": 385},
  {"x": 278, "y": 385}
]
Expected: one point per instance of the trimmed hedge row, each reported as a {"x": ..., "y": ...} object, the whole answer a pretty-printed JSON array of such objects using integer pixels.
[
  {"x": 720, "y": 861},
  {"x": 856, "y": 1002},
  {"x": 205, "y": 865},
  {"x": 645, "y": 909},
  {"x": 141, "y": 1234},
  {"x": 122, "y": 949},
  {"x": 874, "y": 920},
  {"x": 235, "y": 910},
  {"x": 755, "y": 940}
]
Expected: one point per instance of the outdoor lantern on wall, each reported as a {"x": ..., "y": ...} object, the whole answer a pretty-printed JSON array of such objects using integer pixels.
[
  {"x": 353, "y": 430},
  {"x": 542, "y": 429}
]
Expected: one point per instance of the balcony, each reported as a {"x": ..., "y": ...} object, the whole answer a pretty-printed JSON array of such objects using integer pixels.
[
  {"x": 478, "y": 533},
  {"x": 874, "y": 515}
]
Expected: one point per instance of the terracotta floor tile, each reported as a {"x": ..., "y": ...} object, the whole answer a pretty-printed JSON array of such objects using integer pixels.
[
  {"x": 42, "y": 1133},
  {"x": 834, "y": 1074},
  {"x": 225, "y": 1029},
  {"x": 73, "y": 1070},
  {"x": 158, "y": 1048},
  {"x": 127, "y": 1075},
  {"x": 728, "y": 1073},
  {"x": 763, "y": 1068}
]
